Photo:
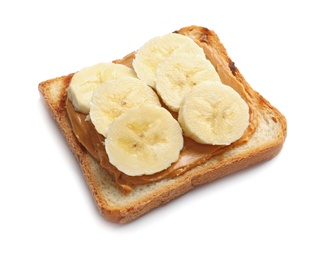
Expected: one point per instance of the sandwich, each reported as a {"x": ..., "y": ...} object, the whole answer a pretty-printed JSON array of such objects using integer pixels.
[{"x": 170, "y": 116}]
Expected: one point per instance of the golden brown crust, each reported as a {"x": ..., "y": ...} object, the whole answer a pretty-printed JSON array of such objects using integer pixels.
[{"x": 54, "y": 93}]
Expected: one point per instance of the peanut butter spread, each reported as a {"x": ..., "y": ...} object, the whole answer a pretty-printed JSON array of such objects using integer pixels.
[{"x": 193, "y": 153}]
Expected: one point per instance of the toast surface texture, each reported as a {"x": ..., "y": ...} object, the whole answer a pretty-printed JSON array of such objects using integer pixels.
[{"x": 264, "y": 144}]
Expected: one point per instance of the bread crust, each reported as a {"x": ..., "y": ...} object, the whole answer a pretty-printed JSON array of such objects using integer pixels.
[{"x": 54, "y": 92}]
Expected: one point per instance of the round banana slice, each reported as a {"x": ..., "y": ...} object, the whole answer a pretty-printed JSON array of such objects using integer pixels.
[
  {"x": 155, "y": 50},
  {"x": 114, "y": 97},
  {"x": 213, "y": 113},
  {"x": 144, "y": 140},
  {"x": 88, "y": 79},
  {"x": 179, "y": 73}
]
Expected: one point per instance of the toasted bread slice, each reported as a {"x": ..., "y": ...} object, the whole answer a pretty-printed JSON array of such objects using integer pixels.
[{"x": 264, "y": 144}]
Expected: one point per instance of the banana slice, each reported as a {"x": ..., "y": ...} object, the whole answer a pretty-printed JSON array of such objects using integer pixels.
[
  {"x": 88, "y": 79},
  {"x": 155, "y": 50},
  {"x": 114, "y": 97},
  {"x": 179, "y": 73},
  {"x": 144, "y": 140},
  {"x": 213, "y": 113}
]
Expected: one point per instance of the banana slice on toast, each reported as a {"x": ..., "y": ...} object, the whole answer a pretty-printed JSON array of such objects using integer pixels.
[
  {"x": 141, "y": 145},
  {"x": 155, "y": 50},
  {"x": 115, "y": 97},
  {"x": 88, "y": 79},
  {"x": 176, "y": 75},
  {"x": 213, "y": 113}
]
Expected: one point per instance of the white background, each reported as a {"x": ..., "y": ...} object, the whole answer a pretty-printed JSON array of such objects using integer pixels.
[{"x": 276, "y": 210}]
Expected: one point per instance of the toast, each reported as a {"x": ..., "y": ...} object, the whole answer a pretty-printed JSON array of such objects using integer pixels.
[{"x": 266, "y": 141}]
